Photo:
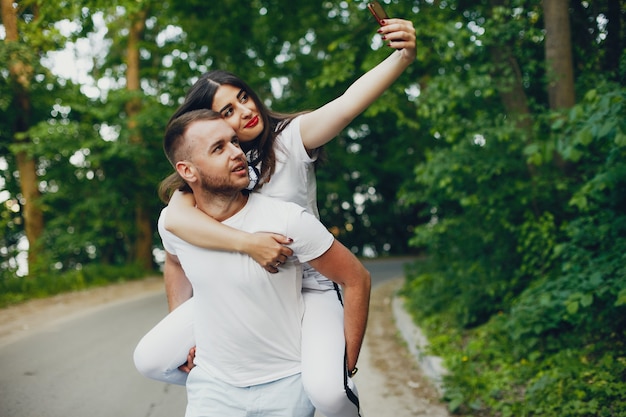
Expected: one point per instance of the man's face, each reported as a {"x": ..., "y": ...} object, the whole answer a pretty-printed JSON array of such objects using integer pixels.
[{"x": 217, "y": 163}]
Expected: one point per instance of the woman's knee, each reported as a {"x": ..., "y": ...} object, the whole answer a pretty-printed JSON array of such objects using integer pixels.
[
  {"x": 145, "y": 361},
  {"x": 325, "y": 393}
]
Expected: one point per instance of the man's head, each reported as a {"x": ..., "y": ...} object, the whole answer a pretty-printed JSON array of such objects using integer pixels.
[{"x": 205, "y": 152}]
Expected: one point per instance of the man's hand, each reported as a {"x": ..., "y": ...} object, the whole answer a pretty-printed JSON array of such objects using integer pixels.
[{"x": 189, "y": 365}]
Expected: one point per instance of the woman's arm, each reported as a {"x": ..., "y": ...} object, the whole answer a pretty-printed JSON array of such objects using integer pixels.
[
  {"x": 190, "y": 224},
  {"x": 321, "y": 125}
]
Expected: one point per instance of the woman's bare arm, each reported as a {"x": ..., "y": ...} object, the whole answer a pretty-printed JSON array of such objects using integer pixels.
[
  {"x": 192, "y": 225},
  {"x": 321, "y": 125}
]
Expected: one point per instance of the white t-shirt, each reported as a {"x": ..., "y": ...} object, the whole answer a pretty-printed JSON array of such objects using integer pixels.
[
  {"x": 294, "y": 180},
  {"x": 294, "y": 176},
  {"x": 247, "y": 321}
]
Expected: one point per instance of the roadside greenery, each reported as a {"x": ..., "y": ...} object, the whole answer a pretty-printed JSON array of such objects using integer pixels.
[
  {"x": 524, "y": 289},
  {"x": 14, "y": 290}
]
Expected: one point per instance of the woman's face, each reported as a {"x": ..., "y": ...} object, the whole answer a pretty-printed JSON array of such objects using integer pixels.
[{"x": 239, "y": 111}]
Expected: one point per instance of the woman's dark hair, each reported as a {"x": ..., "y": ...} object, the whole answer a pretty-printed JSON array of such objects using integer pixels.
[
  {"x": 173, "y": 182},
  {"x": 201, "y": 96}
]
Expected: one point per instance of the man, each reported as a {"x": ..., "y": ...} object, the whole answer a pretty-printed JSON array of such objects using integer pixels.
[{"x": 247, "y": 321}]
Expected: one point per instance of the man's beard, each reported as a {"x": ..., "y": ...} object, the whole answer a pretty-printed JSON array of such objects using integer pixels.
[{"x": 219, "y": 186}]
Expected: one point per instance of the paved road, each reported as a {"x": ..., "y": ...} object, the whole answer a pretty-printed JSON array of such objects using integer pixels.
[{"x": 82, "y": 366}]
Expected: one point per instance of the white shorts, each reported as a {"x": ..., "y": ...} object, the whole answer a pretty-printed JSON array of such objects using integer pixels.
[{"x": 208, "y": 396}]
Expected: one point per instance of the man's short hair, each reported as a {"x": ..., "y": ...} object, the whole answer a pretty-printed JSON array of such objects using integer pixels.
[{"x": 173, "y": 142}]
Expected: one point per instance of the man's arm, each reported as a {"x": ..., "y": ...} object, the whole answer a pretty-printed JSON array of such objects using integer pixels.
[
  {"x": 177, "y": 285},
  {"x": 341, "y": 266}
]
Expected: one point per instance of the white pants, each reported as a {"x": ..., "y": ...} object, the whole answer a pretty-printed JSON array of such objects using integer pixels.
[
  {"x": 208, "y": 396},
  {"x": 324, "y": 376}
]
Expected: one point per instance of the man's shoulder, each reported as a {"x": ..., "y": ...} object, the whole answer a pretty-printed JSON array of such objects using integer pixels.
[
  {"x": 168, "y": 238},
  {"x": 161, "y": 218}
]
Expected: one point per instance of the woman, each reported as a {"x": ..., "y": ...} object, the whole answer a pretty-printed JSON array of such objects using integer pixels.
[{"x": 281, "y": 150}]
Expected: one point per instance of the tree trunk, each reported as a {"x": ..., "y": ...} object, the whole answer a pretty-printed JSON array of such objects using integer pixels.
[
  {"x": 558, "y": 47},
  {"x": 509, "y": 83},
  {"x": 510, "y": 88},
  {"x": 142, "y": 252},
  {"x": 21, "y": 75},
  {"x": 559, "y": 62}
]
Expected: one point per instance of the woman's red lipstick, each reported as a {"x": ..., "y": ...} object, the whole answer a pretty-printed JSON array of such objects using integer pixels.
[{"x": 253, "y": 122}]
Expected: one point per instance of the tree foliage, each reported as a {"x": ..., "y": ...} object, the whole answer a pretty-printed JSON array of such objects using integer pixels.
[
  {"x": 523, "y": 286},
  {"x": 98, "y": 141}
]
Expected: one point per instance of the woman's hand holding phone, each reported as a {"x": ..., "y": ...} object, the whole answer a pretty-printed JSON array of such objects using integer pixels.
[{"x": 397, "y": 33}]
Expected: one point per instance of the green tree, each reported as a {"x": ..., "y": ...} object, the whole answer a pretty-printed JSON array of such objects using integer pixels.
[
  {"x": 28, "y": 89},
  {"x": 143, "y": 240},
  {"x": 102, "y": 152},
  {"x": 21, "y": 62},
  {"x": 521, "y": 187}
]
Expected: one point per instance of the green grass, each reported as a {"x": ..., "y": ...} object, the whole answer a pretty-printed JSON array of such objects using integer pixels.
[{"x": 15, "y": 289}]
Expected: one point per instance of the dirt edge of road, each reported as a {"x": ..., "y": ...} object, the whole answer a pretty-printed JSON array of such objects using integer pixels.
[{"x": 401, "y": 383}]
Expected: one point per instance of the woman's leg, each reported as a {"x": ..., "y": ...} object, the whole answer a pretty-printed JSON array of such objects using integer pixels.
[
  {"x": 160, "y": 352},
  {"x": 324, "y": 373}
]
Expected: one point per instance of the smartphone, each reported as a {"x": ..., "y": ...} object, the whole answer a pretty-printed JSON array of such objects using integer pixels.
[{"x": 378, "y": 11}]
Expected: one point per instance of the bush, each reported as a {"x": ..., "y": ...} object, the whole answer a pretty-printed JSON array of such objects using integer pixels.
[{"x": 550, "y": 285}]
